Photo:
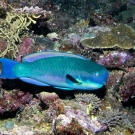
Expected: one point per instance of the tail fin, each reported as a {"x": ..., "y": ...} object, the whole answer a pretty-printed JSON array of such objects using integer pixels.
[{"x": 6, "y": 68}]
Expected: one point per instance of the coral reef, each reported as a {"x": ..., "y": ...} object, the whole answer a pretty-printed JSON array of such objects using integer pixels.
[
  {"x": 121, "y": 36},
  {"x": 98, "y": 30},
  {"x": 13, "y": 26},
  {"x": 16, "y": 24},
  {"x": 111, "y": 118},
  {"x": 53, "y": 103},
  {"x": 25, "y": 47},
  {"x": 89, "y": 99},
  {"x": 72, "y": 129},
  {"x": 102, "y": 19},
  {"x": 127, "y": 87},
  {"x": 3, "y": 45},
  {"x": 127, "y": 16},
  {"x": 48, "y": 98},
  {"x": 116, "y": 59},
  {"x": 12, "y": 101},
  {"x": 81, "y": 117},
  {"x": 43, "y": 43},
  {"x": 19, "y": 3},
  {"x": 114, "y": 80}
]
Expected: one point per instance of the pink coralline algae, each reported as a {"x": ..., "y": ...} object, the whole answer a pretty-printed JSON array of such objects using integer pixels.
[
  {"x": 127, "y": 88},
  {"x": 3, "y": 45},
  {"x": 32, "y": 10},
  {"x": 132, "y": 2},
  {"x": 52, "y": 100},
  {"x": 102, "y": 19},
  {"x": 26, "y": 47},
  {"x": 115, "y": 59},
  {"x": 71, "y": 129},
  {"x": 12, "y": 101},
  {"x": 113, "y": 79},
  {"x": 47, "y": 98},
  {"x": 74, "y": 38},
  {"x": 54, "y": 104},
  {"x": 82, "y": 119}
]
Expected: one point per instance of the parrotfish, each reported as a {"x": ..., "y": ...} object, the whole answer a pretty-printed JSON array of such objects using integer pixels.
[{"x": 61, "y": 70}]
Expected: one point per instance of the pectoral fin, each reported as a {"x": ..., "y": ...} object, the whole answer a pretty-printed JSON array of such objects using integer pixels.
[
  {"x": 46, "y": 54},
  {"x": 71, "y": 80}
]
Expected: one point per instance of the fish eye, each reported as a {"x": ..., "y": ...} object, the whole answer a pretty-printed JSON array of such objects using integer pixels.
[{"x": 96, "y": 73}]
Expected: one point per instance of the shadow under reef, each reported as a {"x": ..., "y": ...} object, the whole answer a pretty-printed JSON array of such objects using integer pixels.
[
  {"x": 7, "y": 115},
  {"x": 34, "y": 89},
  {"x": 17, "y": 84},
  {"x": 63, "y": 94},
  {"x": 130, "y": 103}
]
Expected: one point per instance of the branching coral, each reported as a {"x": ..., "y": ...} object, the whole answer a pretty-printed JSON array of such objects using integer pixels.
[
  {"x": 16, "y": 24},
  {"x": 89, "y": 99},
  {"x": 111, "y": 118}
]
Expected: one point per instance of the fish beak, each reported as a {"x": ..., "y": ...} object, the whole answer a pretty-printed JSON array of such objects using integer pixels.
[{"x": 104, "y": 83}]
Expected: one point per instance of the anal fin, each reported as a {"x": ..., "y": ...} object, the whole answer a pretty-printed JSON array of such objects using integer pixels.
[
  {"x": 63, "y": 88},
  {"x": 32, "y": 81}
]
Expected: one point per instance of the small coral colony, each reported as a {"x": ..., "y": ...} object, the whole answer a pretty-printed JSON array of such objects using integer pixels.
[{"x": 67, "y": 67}]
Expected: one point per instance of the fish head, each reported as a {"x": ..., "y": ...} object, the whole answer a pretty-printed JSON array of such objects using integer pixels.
[
  {"x": 99, "y": 77},
  {"x": 93, "y": 80}
]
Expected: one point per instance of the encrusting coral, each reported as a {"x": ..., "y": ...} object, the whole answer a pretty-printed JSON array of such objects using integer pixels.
[
  {"x": 14, "y": 100},
  {"x": 64, "y": 120},
  {"x": 121, "y": 36},
  {"x": 127, "y": 87}
]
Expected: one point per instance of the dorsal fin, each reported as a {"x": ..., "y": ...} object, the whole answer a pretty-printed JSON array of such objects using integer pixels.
[{"x": 39, "y": 55}]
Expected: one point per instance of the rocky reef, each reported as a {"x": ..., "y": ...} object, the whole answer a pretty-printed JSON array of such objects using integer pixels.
[{"x": 102, "y": 31}]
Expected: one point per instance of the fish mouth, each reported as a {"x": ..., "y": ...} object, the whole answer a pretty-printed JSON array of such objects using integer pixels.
[
  {"x": 0, "y": 67},
  {"x": 104, "y": 83},
  {"x": 94, "y": 85}
]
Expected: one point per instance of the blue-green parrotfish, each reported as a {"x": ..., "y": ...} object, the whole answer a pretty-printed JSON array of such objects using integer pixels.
[{"x": 61, "y": 70}]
